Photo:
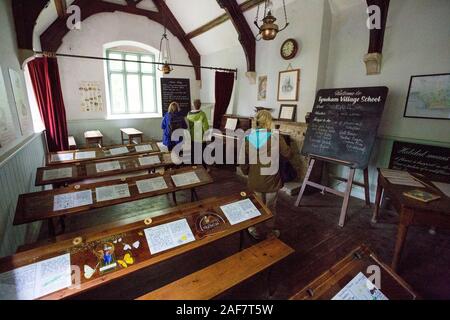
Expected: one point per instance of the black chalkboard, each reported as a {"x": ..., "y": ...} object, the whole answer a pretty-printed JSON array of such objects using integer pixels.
[
  {"x": 344, "y": 124},
  {"x": 428, "y": 160},
  {"x": 177, "y": 90}
]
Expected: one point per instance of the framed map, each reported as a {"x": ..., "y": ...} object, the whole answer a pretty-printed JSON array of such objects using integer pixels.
[
  {"x": 8, "y": 132},
  {"x": 23, "y": 111},
  {"x": 429, "y": 97}
]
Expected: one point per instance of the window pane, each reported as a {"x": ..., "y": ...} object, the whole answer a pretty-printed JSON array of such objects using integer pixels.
[
  {"x": 132, "y": 66},
  {"x": 134, "y": 94},
  {"x": 148, "y": 93},
  {"x": 115, "y": 65},
  {"x": 117, "y": 94},
  {"x": 145, "y": 67}
]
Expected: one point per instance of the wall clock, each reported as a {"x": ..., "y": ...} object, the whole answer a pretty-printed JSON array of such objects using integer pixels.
[{"x": 289, "y": 49}]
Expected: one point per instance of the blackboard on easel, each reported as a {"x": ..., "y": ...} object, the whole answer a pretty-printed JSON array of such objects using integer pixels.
[
  {"x": 344, "y": 124},
  {"x": 176, "y": 90}
]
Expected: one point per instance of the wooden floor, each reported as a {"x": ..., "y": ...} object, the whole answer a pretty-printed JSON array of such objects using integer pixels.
[{"x": 311, "y": 230}]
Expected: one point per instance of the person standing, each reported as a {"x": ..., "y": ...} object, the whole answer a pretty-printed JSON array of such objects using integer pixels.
[
  {"x": 198, "y": 125},
  {"x": 172, "y": 121}
]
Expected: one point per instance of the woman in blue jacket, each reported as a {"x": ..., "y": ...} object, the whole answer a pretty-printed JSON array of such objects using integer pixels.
[{"x": 172, "y": 121}]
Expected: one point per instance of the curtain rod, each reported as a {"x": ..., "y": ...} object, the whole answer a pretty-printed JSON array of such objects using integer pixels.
[{"x": 53, "y": 54}]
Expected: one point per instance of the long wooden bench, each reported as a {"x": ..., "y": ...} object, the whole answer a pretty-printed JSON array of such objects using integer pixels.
[{"x": 216, "y": 279}]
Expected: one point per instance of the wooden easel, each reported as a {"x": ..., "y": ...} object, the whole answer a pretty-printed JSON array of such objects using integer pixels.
[{"x": 346, "y": 194}]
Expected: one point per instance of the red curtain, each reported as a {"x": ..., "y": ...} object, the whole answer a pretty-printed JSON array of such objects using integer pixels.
[
  {"x": 44, "y": 75},
  {"x": 224, "y": 89}
]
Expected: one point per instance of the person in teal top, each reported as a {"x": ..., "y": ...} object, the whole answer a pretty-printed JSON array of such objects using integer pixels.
[{"x": 198, "y": 125}]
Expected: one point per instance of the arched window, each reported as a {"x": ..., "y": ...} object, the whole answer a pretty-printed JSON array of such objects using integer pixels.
[{"x": 132, "y": 86}]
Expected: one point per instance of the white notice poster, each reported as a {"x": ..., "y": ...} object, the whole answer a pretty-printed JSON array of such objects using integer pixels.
[
  {"x": 60, "y": 173},
  {"x": 85, "y": 155},
  {"x": 150, "y": 185},
  {"x": 118, "y": 151},
  {"x": 231, "y": 124},
  {"x": 240, "y": 211},
  {"x": 360, "y": 288},
  {"x": 185, "y": 179},
  {"x": 36, "y": 280},
  {"x": 58, "y": 157},
  {"x": 112, "y": 192},
  {"x": 168, "y": 236},
  {"x": 107, "y": 166},
  {"x": 72, "y": 200},
  {"x": 149, "y": 161},
  {"x": 144, "y": 148}
]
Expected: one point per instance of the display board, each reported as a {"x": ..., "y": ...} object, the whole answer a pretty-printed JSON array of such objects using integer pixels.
[
  {"x": 344, "y": 124},
  {"x": 177, "y": 90},
  {"x": 8, "y": 134},
  {"x": 23, "y": 110},
  {"x": 424, "y": 159}
]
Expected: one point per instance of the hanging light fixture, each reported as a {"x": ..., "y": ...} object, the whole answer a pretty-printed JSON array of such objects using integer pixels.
[
  {"x": 269, "y": 29},
  {"x": 165, "y": 58}
]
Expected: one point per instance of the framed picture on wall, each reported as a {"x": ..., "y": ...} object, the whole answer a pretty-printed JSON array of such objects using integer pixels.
[
  {"x": 262, "y": 88},
  {"x": 287, "y": 112},
  {"x": 288, "y": 84},
  {"x": 429, "y": 97}
]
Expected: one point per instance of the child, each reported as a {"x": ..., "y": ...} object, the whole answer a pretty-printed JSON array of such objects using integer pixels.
[
  {"x": 172, "y": 121},
  {"x": 198, "y": 125}
]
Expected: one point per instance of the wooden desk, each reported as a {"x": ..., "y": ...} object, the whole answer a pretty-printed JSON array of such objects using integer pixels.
[
  {"x": 82, "y": 254},
  {"x": 326, "y": 286},
  {"x": 412, "y": 212},
  {"x": 40, "y": 205},
  {"x": 75, "y": 156},
  {"x": 131, "y": 134},
  {"x": 94, "y": 137},
  {"x": 88, "y": 170}
]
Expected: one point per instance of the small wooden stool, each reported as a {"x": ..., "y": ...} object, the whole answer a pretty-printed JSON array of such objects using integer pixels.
[
  {"x": 131, "y": 134},
  {"x": 94, "y": 137}
]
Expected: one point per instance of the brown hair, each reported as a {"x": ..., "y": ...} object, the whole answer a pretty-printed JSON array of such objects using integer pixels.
[
  {"x": 174, "y": 107},
  {"x": 197, "y": 104}
]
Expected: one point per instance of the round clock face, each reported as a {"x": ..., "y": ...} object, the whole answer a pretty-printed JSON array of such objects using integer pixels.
[{"x": 289, "y": 49}]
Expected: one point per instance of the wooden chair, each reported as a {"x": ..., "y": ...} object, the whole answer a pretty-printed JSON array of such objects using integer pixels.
[{"x": 216, "y": 279}]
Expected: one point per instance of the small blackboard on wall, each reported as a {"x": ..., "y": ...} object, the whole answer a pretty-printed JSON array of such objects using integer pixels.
[
  {"x": 178, "y": 90},
  {"x": 428, "y": 160},
  {"x": 344, "y": 124}
]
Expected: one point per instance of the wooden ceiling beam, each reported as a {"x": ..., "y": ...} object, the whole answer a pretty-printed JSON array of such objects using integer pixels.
[{"x": 61, "y": 7}]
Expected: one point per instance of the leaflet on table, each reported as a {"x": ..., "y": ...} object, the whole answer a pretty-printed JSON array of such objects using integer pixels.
[
  {"x": 36, "y": 280},
  {"x": 360, "y": 288},
  {"x": 148, "y": 161},
  {"x": 150, "y": 185},
  {"x": 62, "y": 157},
  {"x": 240, "y": 211},
  {"x": 117, "y": 151},
  {"x": 112, "y": 192},
  {"x": 168, "y": 236},
  {"x": 107, "y": 166},
  {"x": 444, "y": 187},
  {"x": 85, "y": 155},
  {"x": 185, "y": 179},
  {"x": 144, "y": 148},
  {"x": 72, "y": 200},
  {"x": 60, "y": 173}
]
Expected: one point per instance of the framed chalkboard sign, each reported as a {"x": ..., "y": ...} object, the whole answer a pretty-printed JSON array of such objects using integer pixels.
[
  {"x": 428, "y": 160},
  {"x": 177, "y": 90},
  {"x": 344, "y": 124}
]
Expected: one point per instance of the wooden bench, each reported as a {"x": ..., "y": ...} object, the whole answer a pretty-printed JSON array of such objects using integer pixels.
[
  {"x": 94, "y": 137},
  {"x": 72, "y": 143},
  {"x": 216, "y": 279},
  {"x": 131, "y": 136}
]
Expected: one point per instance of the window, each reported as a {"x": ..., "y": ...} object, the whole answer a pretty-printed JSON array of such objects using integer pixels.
[{"x": 132, "y": 85}]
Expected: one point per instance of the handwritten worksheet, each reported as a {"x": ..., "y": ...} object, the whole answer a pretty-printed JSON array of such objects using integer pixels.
[
  {"x": 85, "y": 155},
  {"x": 144, "y": 148},
  {"x": 118, "y": 151},
  {"x": 185, "y": 179},
  {"x": 72, "y": 200},
  {"x": 360, "y": 288},
  {"x": 149, "y": 161},
  {"x": 60, "y": 173},
  {"x": 62, "y": 157},
  {"x": 168, "y": 236},
  {"x": 240, "y": 211},
  {"x": 36, "y": 280},
  {"x": 149, "y": 185},
  {"x": 112, "y": 192},
  {"x": 107, "y": 166}
]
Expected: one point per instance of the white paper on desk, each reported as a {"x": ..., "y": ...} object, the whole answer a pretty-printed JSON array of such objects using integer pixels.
[
  {"x": 72, "y": 200},
  {"x": 85, "y": 155},
  {"x": 117, "y": 151},
  {"x": 185, "y": 179},
  {"x": 389, "y": 173},
  {"x": 240, "y": 211},
  {"x": 231, "y": 124},
  {"x": 162, "y": 147},
  {"x": 107, "y": 166},
  {"x": 153, "y": 184},
  {"x": 143, "y": 148},
  {"x": 36, "y": 280},
  {"x": 112, "y": 192},
  {"x": 406, "y": 182},
  {"x": 168, "y": 236},
  {"x": 360, "y": 288},
  {"x": 60, "y": 173},
  {"x": 149, "y": 161},
  {"x": 62, "y": 157},
  {"x": 444, "y": 187}
]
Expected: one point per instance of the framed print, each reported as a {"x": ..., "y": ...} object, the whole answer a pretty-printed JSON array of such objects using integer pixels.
[
  {"x": 23, "y": 111},
  {"x": 262, "y": 88},
  {"x": 288, "y": 83},
  {"x": 287, "y": 112},
  {"x": 429, "y": 97}
]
